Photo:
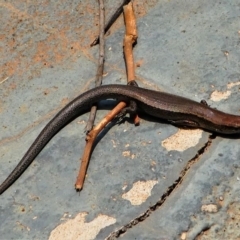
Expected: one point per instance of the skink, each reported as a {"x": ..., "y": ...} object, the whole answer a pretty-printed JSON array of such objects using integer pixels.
[{"x": 175, "y": 109}]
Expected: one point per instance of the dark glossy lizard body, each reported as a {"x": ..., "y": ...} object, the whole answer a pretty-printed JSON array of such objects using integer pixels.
[{"x": 175, "y": 109}]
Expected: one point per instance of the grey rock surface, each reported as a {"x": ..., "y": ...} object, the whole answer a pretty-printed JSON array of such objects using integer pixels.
[{"x": 139, "y": 185}]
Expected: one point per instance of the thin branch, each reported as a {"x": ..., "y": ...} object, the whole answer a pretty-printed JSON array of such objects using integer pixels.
[
  {"x": 90, "y": 140},
  {"x": 112, "y": 19},
  {"x": 99, "y": 75},
  {"x": 129, "y": 40}
]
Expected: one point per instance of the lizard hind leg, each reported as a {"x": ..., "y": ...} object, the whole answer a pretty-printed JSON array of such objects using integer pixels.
[
  {"x": 131, "y": 109},
  {"x": 132, "y": 83},
  {"x": 132, "y": 106}
]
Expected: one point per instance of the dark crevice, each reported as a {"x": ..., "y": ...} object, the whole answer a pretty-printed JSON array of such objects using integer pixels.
[
  {"x": 164, "y": 197},
  {"x": 203, "y": 231}
]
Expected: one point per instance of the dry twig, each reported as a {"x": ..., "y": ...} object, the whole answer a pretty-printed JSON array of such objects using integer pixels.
[
  {"x": 112, "y": 19},
  {"x": 90, "y": 140},
  {"x": 99, "y": 75},
  {"x": 129, "y": 40}
]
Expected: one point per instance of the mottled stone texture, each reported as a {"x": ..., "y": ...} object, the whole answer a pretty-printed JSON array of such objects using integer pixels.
[{"x": 190, "y": 48}]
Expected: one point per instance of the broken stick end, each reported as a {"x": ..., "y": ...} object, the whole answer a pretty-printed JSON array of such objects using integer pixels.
[{"x": 78, "y": 187}]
